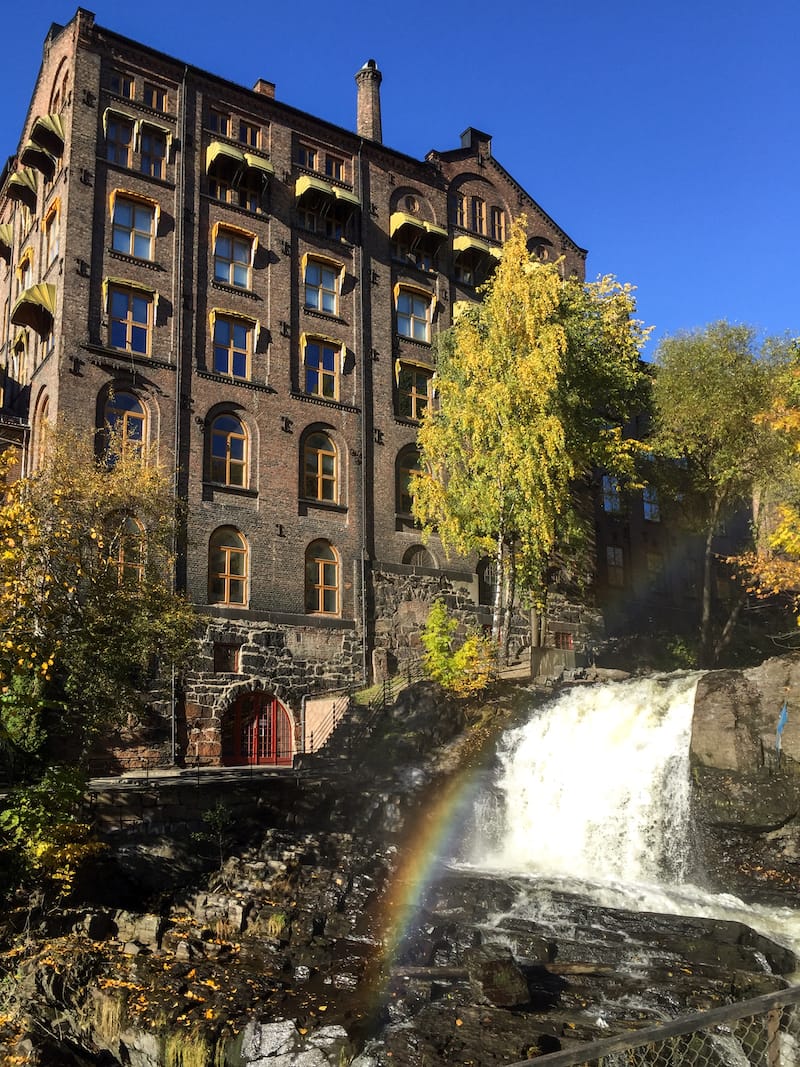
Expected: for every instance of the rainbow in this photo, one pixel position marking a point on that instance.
(431, 840)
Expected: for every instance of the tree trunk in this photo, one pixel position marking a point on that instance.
(509, 602)
(497, 606)
(724, 638)
(705, 656)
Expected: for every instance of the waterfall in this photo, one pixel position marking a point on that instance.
(591, 797)
(595, 786)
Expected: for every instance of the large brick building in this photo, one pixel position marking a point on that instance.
(255, 292)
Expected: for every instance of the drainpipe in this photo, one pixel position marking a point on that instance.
(364, 442)
(177, 289)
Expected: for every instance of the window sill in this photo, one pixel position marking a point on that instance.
(308, 398)
(260, 213)
(239, 290)
(242, 383)
(326, 316)
(138, 261)
(228, 490)
(121, 169)
(425, 345)
(341, 244)
(120, 359)
(307, 504)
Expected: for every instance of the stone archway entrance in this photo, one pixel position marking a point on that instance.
(257, 729)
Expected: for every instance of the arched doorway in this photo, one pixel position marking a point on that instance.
(257, 730)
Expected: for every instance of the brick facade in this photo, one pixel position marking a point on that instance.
(225, 260)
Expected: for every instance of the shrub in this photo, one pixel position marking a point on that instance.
(464, 669)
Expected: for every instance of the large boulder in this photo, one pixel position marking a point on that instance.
(746, 790)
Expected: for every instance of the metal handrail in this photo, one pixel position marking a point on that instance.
(593, 1052)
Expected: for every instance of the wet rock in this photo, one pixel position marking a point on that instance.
(140, 1049)
(262, 1040)
(497, 977)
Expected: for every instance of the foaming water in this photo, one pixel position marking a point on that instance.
(592, 798)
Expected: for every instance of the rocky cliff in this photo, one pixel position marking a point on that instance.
(746, 789)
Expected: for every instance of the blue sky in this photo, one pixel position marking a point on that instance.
(662, 137)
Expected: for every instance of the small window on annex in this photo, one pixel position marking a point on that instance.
(419, 556)
(322, 579)
(487, 581)
(227, 567)
(228, 451)
(320, 468)
(612, 501)
(615, 566)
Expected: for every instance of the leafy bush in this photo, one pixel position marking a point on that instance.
(462, 670)
(42, 839)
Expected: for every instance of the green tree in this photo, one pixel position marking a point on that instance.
(534, 385)
(88, 614)
(710, 387)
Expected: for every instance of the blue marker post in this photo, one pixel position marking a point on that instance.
(784, 715)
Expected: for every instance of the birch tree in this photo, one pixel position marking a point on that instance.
(533, 387)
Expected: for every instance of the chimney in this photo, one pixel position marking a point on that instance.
(265, 88)
(368, 113)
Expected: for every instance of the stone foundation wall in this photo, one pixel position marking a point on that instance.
(290, 662)
(401, 599)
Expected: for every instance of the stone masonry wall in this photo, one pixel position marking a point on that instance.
(288, 662)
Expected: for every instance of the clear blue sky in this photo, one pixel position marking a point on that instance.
(662, 137)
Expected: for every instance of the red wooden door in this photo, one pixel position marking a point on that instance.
(258, 731)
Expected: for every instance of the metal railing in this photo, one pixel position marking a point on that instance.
(764, 1032)
(114, 766)
(359, 720)
(327, 727)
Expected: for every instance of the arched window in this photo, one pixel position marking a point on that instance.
(227, 567)
(418, 556)
(41, 430)
(126, 419)
(322, 579)
(407, 465)
(320, 473)
(127, 548)
(228, 451)
(487, 581)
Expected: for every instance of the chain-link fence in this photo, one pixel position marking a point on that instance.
(764, 1032)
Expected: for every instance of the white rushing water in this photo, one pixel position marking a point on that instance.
(592, 797)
